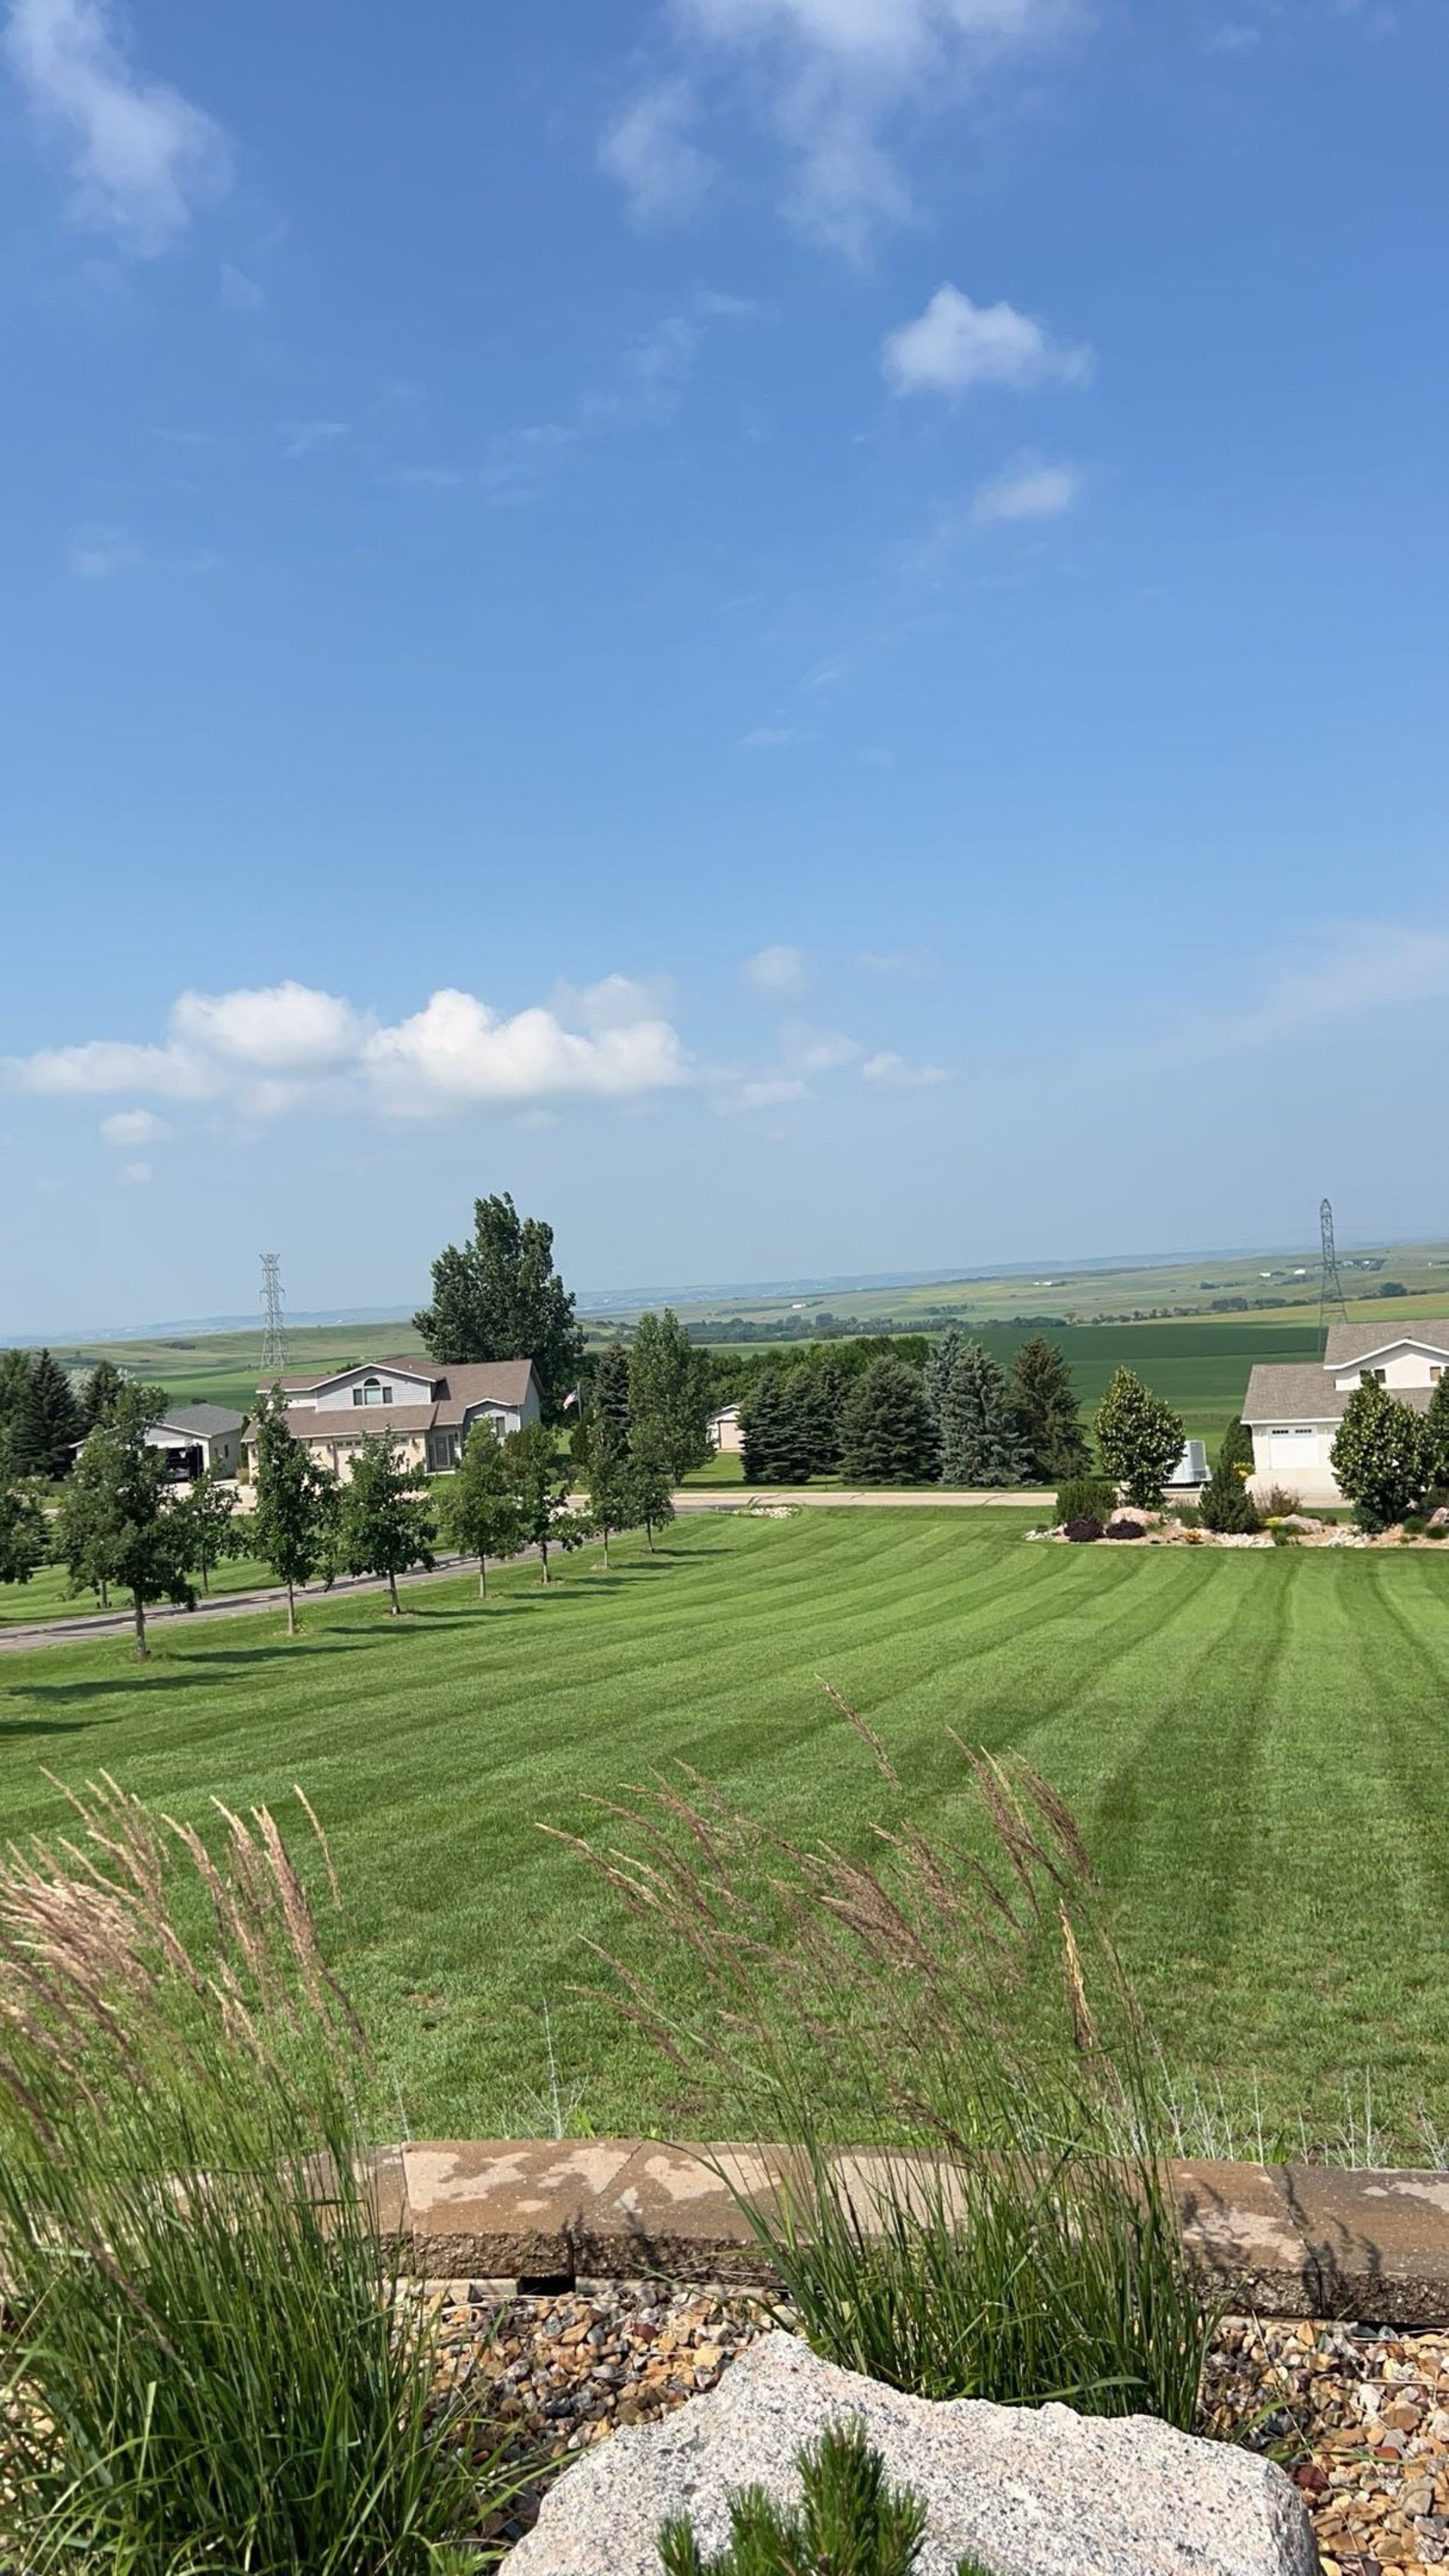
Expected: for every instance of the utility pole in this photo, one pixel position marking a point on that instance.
(1330, 1286)
(274, 1319)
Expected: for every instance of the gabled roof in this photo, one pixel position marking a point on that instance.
(1302, 1392)
(204, 1421)
(422, 1370)
(1349, 1343)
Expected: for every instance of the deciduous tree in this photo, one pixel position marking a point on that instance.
(500, 1298)
(477, 1505)
(294, 1525)
(23, 1531)
(670, 1390)
(1139, 1438)
(1436, 1440)
(1048, 1414)
(612, 1485)
(541, 1490)
(120, 1522)
(102, 1393)
(651, 1486)
(1380, 1455)
(385, 1522)
(217, 1530)
(887, 1437)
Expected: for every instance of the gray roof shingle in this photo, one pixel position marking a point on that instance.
(1350, 1342)
(205, 1421)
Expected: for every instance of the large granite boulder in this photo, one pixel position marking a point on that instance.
(1026, 2491)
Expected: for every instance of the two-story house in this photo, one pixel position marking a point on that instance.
(431, 1410)
(1294, 1412)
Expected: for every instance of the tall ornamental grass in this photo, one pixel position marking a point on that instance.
(203, 2369)
(955, 1998)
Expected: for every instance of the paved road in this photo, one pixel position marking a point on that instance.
(723, 1498)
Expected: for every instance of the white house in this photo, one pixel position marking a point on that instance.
(199, 1437)
(431, 1410)
(1294, 1411)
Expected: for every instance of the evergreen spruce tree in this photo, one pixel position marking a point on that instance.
(1139, 1438)
(1048, 1417)
(671, 1389)
(611, 1387)
(120, 1521)
(385, 1521)
(1225, 1504)
(500, 1298)
(294, 1525)
(772, 1452)
(102, 1393)
(14, 1375)
(477, 1506)
(942, 1360)
(978, 1439)
(887, 1437)
(48, 1424)
(815, 1400)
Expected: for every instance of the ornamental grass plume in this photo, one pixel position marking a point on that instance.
(960, 2001)
(203, 2367)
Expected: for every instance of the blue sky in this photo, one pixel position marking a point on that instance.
(809, 631)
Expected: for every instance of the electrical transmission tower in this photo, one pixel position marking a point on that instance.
(1330, 1286)
(274, 1319)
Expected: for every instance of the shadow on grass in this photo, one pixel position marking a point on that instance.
(35, 1727)
(64, 1694)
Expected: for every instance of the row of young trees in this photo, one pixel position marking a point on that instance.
(962, 1419)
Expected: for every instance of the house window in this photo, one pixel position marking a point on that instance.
(1373, 1377)
(372, 1391)
(1435, 1372)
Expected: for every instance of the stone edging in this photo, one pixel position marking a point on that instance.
(1288, 2240)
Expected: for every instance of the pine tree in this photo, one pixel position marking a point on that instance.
(48, 1425)
(942, 1361)
(385, 1521)
(1048, 1419)
(815, 1399)
(294, 1525)
(477, 1506)
(1139, 1438)
(886, 1432)
(1225, 1503)
(542, 1495)
(119, 1521)
(500, 1298)
(214, 1525)
(1380, 1455)
(772, 1452)
(14, 1376)
(611, 1387)
(670, 1389)
(979, 1442)
(102, 1393)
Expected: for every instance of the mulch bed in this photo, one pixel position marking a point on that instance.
(1358, 2417)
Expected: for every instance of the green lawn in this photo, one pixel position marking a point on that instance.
(1255, 1745)
(47, 1594)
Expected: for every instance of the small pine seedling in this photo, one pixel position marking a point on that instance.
(850, 2522)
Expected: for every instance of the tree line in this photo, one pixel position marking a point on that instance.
(956, 1417)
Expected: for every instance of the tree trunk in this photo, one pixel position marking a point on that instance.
(394, 1605)
(605, 1536)
(543, 1552)
(291, 1612)
(649, 1534)
(138, 1612)
(482, 1578)
(205, 1586)
(105, 1592)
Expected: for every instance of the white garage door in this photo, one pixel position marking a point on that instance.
(1292, 1449)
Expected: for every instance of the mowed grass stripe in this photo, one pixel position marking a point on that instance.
(1254, 1744)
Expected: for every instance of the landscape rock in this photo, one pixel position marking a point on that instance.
(1026, 2491)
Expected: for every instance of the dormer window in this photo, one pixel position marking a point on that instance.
(372, 1391)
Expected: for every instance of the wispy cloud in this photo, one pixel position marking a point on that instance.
(239, 293)
(839, 70)
(896, 1072)
(772, 737)
(142, 159)
(957, 346)
(99, 553)
(776, 970)
(266, 1051)
(131, 1127)
(647, 150)
(1026, 488)
(304, 437)
(1339, 974)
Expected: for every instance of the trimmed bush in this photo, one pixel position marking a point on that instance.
(1085, 1526)
(1087, 1498)
(1124, 1529)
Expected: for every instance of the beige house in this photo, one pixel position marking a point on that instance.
(430, 1410)
(725, 1430)
(1294, 1412)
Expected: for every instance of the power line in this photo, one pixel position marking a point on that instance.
(1330, 1286)
(274, 1319)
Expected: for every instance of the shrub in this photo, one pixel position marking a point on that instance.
(849, 2520)
(1139, 1438)
(1083, 1527)
(1380, 1456)
(1279, 1502)
(204, 2364)
(1124, 1529)
(1022, 2241)
(1187, 1516)
(1086, 1498)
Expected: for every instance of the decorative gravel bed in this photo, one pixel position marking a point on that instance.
(1358, 2417)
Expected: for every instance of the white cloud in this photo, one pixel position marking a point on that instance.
(268, 1052)
(771, 1091)
(842, 68)
(772, 737)
(1348, 971)
(775, 970)
(142, 158)
(894, 1070)
(1027, 488)
(663, 175)
(305, 437)
(139, 1172)
(616, 1001)
(98, 554)
(134, 1127)
(957, 345)
(817, 1050)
